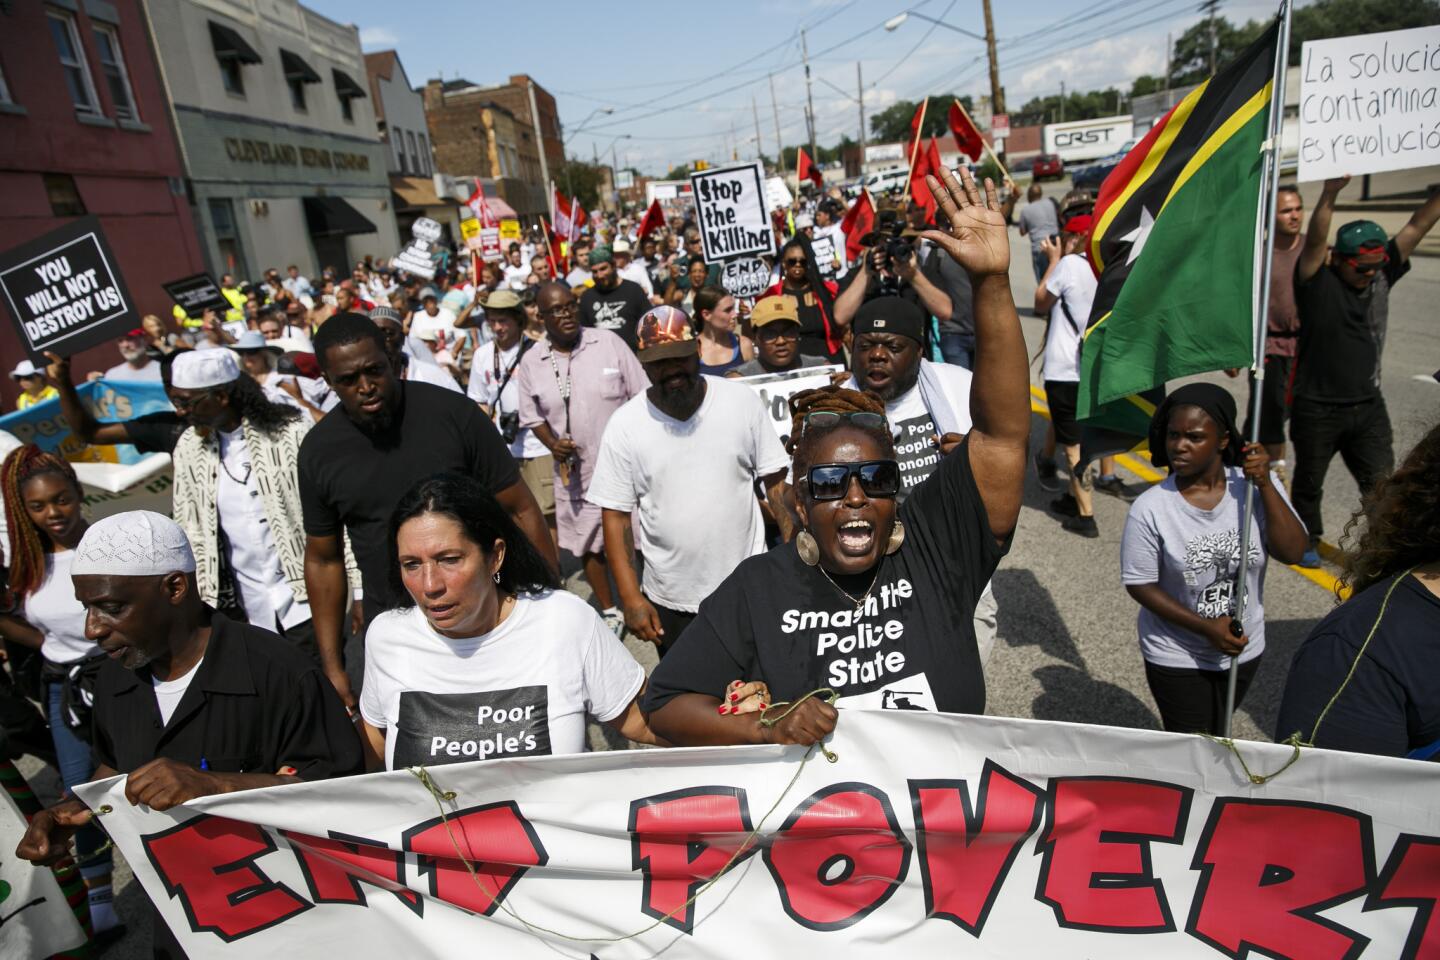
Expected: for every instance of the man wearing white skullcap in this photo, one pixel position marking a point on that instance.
(190, 703)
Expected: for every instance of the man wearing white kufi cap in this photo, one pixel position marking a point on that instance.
(190, 703)
(237, 495)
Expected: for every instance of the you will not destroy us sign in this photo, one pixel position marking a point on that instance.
(64, 291)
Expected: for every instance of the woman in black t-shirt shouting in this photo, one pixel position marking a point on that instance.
(872, 600)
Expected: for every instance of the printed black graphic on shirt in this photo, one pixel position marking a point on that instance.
(915, 451)
(864, 649)
(1214, 559)
(439, 728)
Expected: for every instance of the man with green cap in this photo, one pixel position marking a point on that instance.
(1343, 298)
(613, 303)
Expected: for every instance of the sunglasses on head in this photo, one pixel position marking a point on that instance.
(829, 418)
(831, 481)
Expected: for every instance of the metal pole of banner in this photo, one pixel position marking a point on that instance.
(1265, 246)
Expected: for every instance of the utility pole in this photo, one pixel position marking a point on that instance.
(1062, 101)
(860, 99)
(1169, 45)
(809, 103)
(734, 147)
(997, 93)
(540, 138)
(759, 145)
(1209, 7)
(779, 144)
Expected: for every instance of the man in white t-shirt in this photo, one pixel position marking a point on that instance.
(1065, 293)
(628, 269)
(927, 404)
(517, 269)
(683, 458)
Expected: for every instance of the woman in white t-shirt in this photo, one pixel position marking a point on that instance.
(44, 521)
(490, 658)
(1180, 557)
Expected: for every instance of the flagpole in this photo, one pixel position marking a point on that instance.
(1269, 183)
(1003, 172)
(915, 147)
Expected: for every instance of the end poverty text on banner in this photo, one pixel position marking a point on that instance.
(1370, 103)
(730, 208)
(64, 290)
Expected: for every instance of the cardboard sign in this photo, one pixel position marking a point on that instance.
(776, 389)
(470, 229)
(777, 194)
(196, 294)
(1369, 103)
(416, 257)
(746, 277)
(488, 243)
(64, 291)
(730, 207)
(509, 230)
(824, 247)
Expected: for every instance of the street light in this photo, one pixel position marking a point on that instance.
(894, 23)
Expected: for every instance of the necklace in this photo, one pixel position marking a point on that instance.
(865, 597)
(242, 481)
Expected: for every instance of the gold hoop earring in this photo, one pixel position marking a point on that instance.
(808, 549)
(897, 537)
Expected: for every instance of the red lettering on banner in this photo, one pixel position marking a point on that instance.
(1268, 867)
(965, 854)
(335, 867)
(681, 839)
(495, 839)
(1096, 872)
(838, 856)
(1411, 878)
(207, 863)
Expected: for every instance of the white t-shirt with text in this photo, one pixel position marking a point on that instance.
(913, 426)
(1073, 284)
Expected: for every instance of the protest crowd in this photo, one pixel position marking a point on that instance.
(380, 479)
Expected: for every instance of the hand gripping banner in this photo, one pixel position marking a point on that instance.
(932, 835)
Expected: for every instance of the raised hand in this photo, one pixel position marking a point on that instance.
(977, 239)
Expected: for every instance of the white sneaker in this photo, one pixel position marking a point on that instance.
(614, 619)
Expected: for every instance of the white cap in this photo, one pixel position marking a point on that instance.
(134, 544)
(24, 369)
(196, 370)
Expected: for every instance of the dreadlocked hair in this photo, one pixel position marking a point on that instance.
(27, 541)
(1401, 518)
(804, 439)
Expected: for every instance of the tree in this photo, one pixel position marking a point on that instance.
(1190, 59)
(678, 173)
(1324, 19)
(1079, 105)
(581, 179)
(1144, 85)
(893, 123)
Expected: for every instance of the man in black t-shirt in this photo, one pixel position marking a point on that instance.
(1343, 300)
(613, 304)
(358, 461)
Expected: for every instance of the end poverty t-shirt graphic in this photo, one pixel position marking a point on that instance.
(442, 728)
(1211, 563)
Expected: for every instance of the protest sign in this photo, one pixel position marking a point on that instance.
(824, 247)
(1369, 103)
(108, 400)
(417, 258)
(35, 920)
(196, 294)
(730, 210)
(488, 243)
(935, 835)
(747, 277)
(777, 194)
(470, 229)
(64, 291)
(776, 389)
(510, 230)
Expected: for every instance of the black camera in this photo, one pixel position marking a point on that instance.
(891, 251)
(510, 425)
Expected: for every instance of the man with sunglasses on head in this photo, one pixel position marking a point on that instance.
(1343, 298)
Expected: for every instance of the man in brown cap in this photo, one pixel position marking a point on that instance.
(776, 322)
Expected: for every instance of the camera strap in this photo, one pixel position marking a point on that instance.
(524, 345)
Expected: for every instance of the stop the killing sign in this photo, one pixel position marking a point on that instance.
(64, 291)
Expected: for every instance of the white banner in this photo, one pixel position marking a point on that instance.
(731, 214)
(934, 835)
(35, 920)
(1370, 103)
(776, 389)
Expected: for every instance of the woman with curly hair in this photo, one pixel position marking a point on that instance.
(1367, 679)
(43, 514)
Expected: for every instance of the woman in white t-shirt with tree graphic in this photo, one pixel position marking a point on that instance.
(490, 658)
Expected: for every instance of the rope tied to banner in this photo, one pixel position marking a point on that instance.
(1259, 778)
(441, 797)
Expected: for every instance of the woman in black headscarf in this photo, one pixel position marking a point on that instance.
(1180, 556)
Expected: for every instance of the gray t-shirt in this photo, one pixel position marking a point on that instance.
(1194, 555)
(1040, 221)
(752, 368)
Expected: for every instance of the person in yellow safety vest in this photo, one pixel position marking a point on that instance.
(33, 386)
(230, 290)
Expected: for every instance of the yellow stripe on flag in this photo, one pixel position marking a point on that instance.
(1227, 130)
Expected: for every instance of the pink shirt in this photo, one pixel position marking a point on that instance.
(603, 374)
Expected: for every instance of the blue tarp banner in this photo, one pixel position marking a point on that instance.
(109, 400)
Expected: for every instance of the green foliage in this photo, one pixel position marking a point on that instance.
(584, 180)
(1190, 59)
(678, 173)
(893, 123)
(1086, 105)
(989, 168)
(1144, 85)
(1340, 18)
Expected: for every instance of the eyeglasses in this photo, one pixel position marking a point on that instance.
(1369, 267)
(829, 418)
(564, 310)
(768, 334)
(831, 481)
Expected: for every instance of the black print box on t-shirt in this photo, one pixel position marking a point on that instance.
(439, 728)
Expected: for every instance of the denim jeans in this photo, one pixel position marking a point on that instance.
(76, 767)
(959, 349)
(1040, 262)
(1359, 432)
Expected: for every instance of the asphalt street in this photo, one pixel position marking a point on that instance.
(1067, 646)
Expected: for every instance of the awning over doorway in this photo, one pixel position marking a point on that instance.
(333, 217)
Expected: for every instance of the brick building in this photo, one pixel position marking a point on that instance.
(474, 135)
(85, 129)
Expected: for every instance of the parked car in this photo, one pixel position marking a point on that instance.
(1090, 176)
(1048, 165)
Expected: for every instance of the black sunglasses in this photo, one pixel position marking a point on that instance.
(831, 481)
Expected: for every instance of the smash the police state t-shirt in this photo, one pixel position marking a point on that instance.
(521, 690)
(911, 645)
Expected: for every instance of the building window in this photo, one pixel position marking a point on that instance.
(346, 112)
(227, 237)
(347, 90)
(231, 77)
(233, 52)
(397, 143)
(64, 198)
(297, 93)
(72, 60)
(297, 74)
(112, 65)
(414, 153)
(425, 155)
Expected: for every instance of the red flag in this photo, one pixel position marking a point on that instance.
(481, 208)
(558, 266)
(967, 138)
(937, 170)
(806, 170)
(654, 219)
(918, 191)
(859, 220)
(569, 217)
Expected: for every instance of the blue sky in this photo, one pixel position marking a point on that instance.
(679, 76)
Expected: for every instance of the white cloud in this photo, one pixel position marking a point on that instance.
(378, 37)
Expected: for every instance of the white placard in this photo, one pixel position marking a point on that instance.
(777, 194)
(745, 277)
(776, 389)
(1370, 103)
(35, 920)
(730, 210)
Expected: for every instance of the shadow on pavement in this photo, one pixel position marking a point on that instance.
(1027, 616)
(1072, 695)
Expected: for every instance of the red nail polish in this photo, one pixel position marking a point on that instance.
(721, 710)
(764, 706)
(734, 696)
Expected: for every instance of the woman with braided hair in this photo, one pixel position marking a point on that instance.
(872, 600)
(43, 515)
